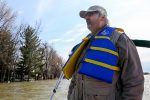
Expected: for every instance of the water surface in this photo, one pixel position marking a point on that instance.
(42, 90)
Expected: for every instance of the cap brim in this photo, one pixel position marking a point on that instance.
(83, 13)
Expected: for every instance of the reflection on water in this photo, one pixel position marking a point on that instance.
(42, 90)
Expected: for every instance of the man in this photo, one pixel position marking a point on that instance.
(121, 80)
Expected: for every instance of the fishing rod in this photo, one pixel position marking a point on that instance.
(57, 84)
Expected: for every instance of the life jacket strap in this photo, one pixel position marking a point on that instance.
(102, 64)
(120, 30)
(102, 37)
(104, 50)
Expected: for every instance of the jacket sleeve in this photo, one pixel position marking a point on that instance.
(132, 78)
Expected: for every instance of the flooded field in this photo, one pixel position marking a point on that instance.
(42, 90)
(36, 90)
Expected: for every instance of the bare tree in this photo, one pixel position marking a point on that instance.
(53, 62)
(7, 17)
(7, 41)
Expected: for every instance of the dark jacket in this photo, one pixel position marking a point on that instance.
(128, 84)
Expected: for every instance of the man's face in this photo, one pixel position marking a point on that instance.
(92, 20)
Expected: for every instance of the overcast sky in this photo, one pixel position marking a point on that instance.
(63, 28)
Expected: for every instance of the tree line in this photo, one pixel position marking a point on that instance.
(22, 54)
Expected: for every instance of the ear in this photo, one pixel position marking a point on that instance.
(102, 18)
(102, 21)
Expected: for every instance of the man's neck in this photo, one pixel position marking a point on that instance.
(98, 30)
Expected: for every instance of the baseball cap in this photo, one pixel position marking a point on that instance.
(94, 8)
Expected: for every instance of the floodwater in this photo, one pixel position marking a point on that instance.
(35, 90)
(42, 90)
